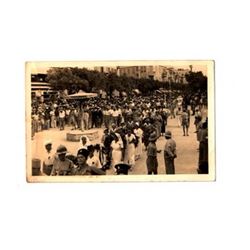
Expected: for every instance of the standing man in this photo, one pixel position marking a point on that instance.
(106, 141)
(67, 115)
(72, 118)
(62, 165)
(49, 158)
(169, 153)
(152, 163)
(47, 118)
(203, 149)
(52, 118)
(115, 115)
(185, 122)
(106, 117)
(61, 118)
(86, 118)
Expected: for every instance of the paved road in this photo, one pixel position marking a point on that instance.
(187, 154)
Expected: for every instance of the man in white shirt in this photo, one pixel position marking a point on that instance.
(115, 115)
(48, 159)
(61, 119)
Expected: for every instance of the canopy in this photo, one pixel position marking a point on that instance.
(163, 91)
(81, 95)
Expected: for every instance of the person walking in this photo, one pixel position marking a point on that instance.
(169, 153)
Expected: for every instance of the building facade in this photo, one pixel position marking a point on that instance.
(102, 69)
(158, 73)
(148, 72)
(39, 86)
(175, 75)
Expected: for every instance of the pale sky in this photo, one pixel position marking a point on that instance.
(43, 70)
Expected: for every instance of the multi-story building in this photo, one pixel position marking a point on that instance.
(149, 72)
(103, 69)
(157, 72)
(39, 86)
(175, 75)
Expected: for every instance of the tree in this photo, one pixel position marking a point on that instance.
(68, 78)
(196, 81)
(76, 78)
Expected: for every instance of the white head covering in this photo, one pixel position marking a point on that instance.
(47, 142)
(87, 142)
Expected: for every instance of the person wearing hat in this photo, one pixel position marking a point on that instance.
(82, 167)
(122, 168)
(48, 159)
(152, 163)
(169, 153)
(62, 165)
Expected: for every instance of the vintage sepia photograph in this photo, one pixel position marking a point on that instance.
(120, 121)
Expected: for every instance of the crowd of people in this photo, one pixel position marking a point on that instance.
(130, 124)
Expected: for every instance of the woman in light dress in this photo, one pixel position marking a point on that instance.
(130, 149)
(116, 147)
(138, 133)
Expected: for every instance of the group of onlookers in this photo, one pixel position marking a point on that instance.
(128, 123)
